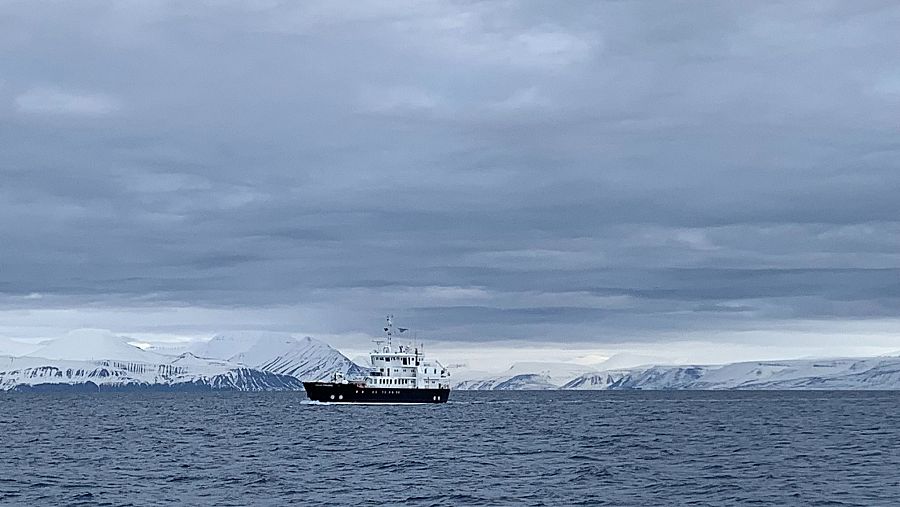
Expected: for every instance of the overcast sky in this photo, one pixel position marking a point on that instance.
(582, 176)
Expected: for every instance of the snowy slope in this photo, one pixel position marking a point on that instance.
(597, 380)
(93, 344)
(881, 372)
(524, 376)
(849, 373)
(227, 345)
(89, 358)
(15, 348)
(92, 359)
(845, 373)
(23, 373)
(557, 373)
(623, 361)
(302, 358)
(523, 382)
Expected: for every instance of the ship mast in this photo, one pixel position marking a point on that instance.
(390, 332)
(388, 337)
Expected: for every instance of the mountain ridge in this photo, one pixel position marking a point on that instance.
(881, 372)
(99, 359)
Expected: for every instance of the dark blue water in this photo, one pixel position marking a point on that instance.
(524, 448)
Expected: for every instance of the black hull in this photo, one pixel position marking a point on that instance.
(329, 392)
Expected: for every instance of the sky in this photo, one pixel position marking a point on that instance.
(691, 181)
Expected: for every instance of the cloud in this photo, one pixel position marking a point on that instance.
(521, 99)
(55, 101)
(398, 100)
(587, 173)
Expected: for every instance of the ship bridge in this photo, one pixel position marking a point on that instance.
(404, 366)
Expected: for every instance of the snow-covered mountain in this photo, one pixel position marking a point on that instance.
(597, 380)
(30, 373)
(847, 373)
(95, 359)
(523, 376)
(303, 358)
(523, 382)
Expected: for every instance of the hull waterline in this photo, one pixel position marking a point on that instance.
(331, 392)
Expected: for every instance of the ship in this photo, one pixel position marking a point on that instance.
(399, 374)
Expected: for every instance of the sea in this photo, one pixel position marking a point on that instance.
(482, 448)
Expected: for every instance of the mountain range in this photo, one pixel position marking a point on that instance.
(840, 373)
(99, 360)
(261, 361)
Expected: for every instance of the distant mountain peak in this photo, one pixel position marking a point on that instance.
(304, 357)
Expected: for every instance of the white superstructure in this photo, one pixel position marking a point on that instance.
(403, 366)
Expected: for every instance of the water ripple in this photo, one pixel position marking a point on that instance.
(536, 449)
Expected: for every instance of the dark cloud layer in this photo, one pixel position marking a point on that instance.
(585, 171)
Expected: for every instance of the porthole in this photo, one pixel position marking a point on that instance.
(332, 396)
(340, 396)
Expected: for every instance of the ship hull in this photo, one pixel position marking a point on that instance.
(331, 392)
